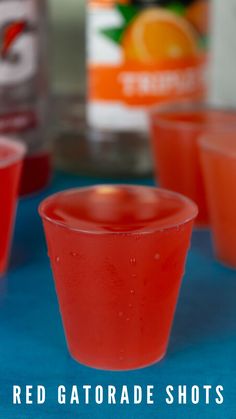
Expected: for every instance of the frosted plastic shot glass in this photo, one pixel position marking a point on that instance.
(218, 158)
(117, 255)
(175, 132)
(11, 159)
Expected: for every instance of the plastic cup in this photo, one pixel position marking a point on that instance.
(218, 157)
(11, 158)
(175, 132)
(118, 256)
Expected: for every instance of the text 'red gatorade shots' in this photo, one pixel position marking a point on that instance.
(175, 133)
(118, 255)
(141, 53)
(11, 158)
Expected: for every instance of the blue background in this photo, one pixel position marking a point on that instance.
(202, 348)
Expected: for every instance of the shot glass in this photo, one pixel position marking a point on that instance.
(175, 132)
(11, 158)
(118, 256)
(218, 158)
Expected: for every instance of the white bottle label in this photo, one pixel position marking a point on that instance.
(18, 41)
(139, 56)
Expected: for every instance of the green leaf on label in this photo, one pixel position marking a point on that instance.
(128, 12)
(114, 34)
(177, 7)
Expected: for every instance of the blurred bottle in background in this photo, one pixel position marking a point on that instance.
(139, 53)
(70, 149)
(24, 85)
(223, 47)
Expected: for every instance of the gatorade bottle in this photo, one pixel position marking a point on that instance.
(24, 85)
(139, 54)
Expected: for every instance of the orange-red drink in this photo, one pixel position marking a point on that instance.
(175, 131)
(218, 157)
(11, 156)
(118, 256)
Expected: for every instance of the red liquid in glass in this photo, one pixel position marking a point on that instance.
(118, 256)
(36, 173)
(10, 169)
(218, 156)
(175, 136)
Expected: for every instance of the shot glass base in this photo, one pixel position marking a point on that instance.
(201, 226)
(103, 367)
(226, 263)
(3, 270)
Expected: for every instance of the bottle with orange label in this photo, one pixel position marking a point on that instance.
(140, 53)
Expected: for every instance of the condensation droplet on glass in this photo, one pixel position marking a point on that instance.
(120, 314)
(127, 319)
(57, 259)
(132, 292)
(130, 305)
(133, 261)
(157, 256)
(134, 275)
(74, 254)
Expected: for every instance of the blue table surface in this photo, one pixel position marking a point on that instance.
(202, 348)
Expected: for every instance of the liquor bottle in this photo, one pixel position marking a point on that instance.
(139, 54)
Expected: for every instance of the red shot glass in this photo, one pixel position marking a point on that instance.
(11, 160)
(175, 133)
(118, 255)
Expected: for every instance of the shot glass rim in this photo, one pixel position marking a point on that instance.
(158, 113)
(17, 145)
(206, 142)
(191, 212)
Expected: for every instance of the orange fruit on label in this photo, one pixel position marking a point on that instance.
(157, 35)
